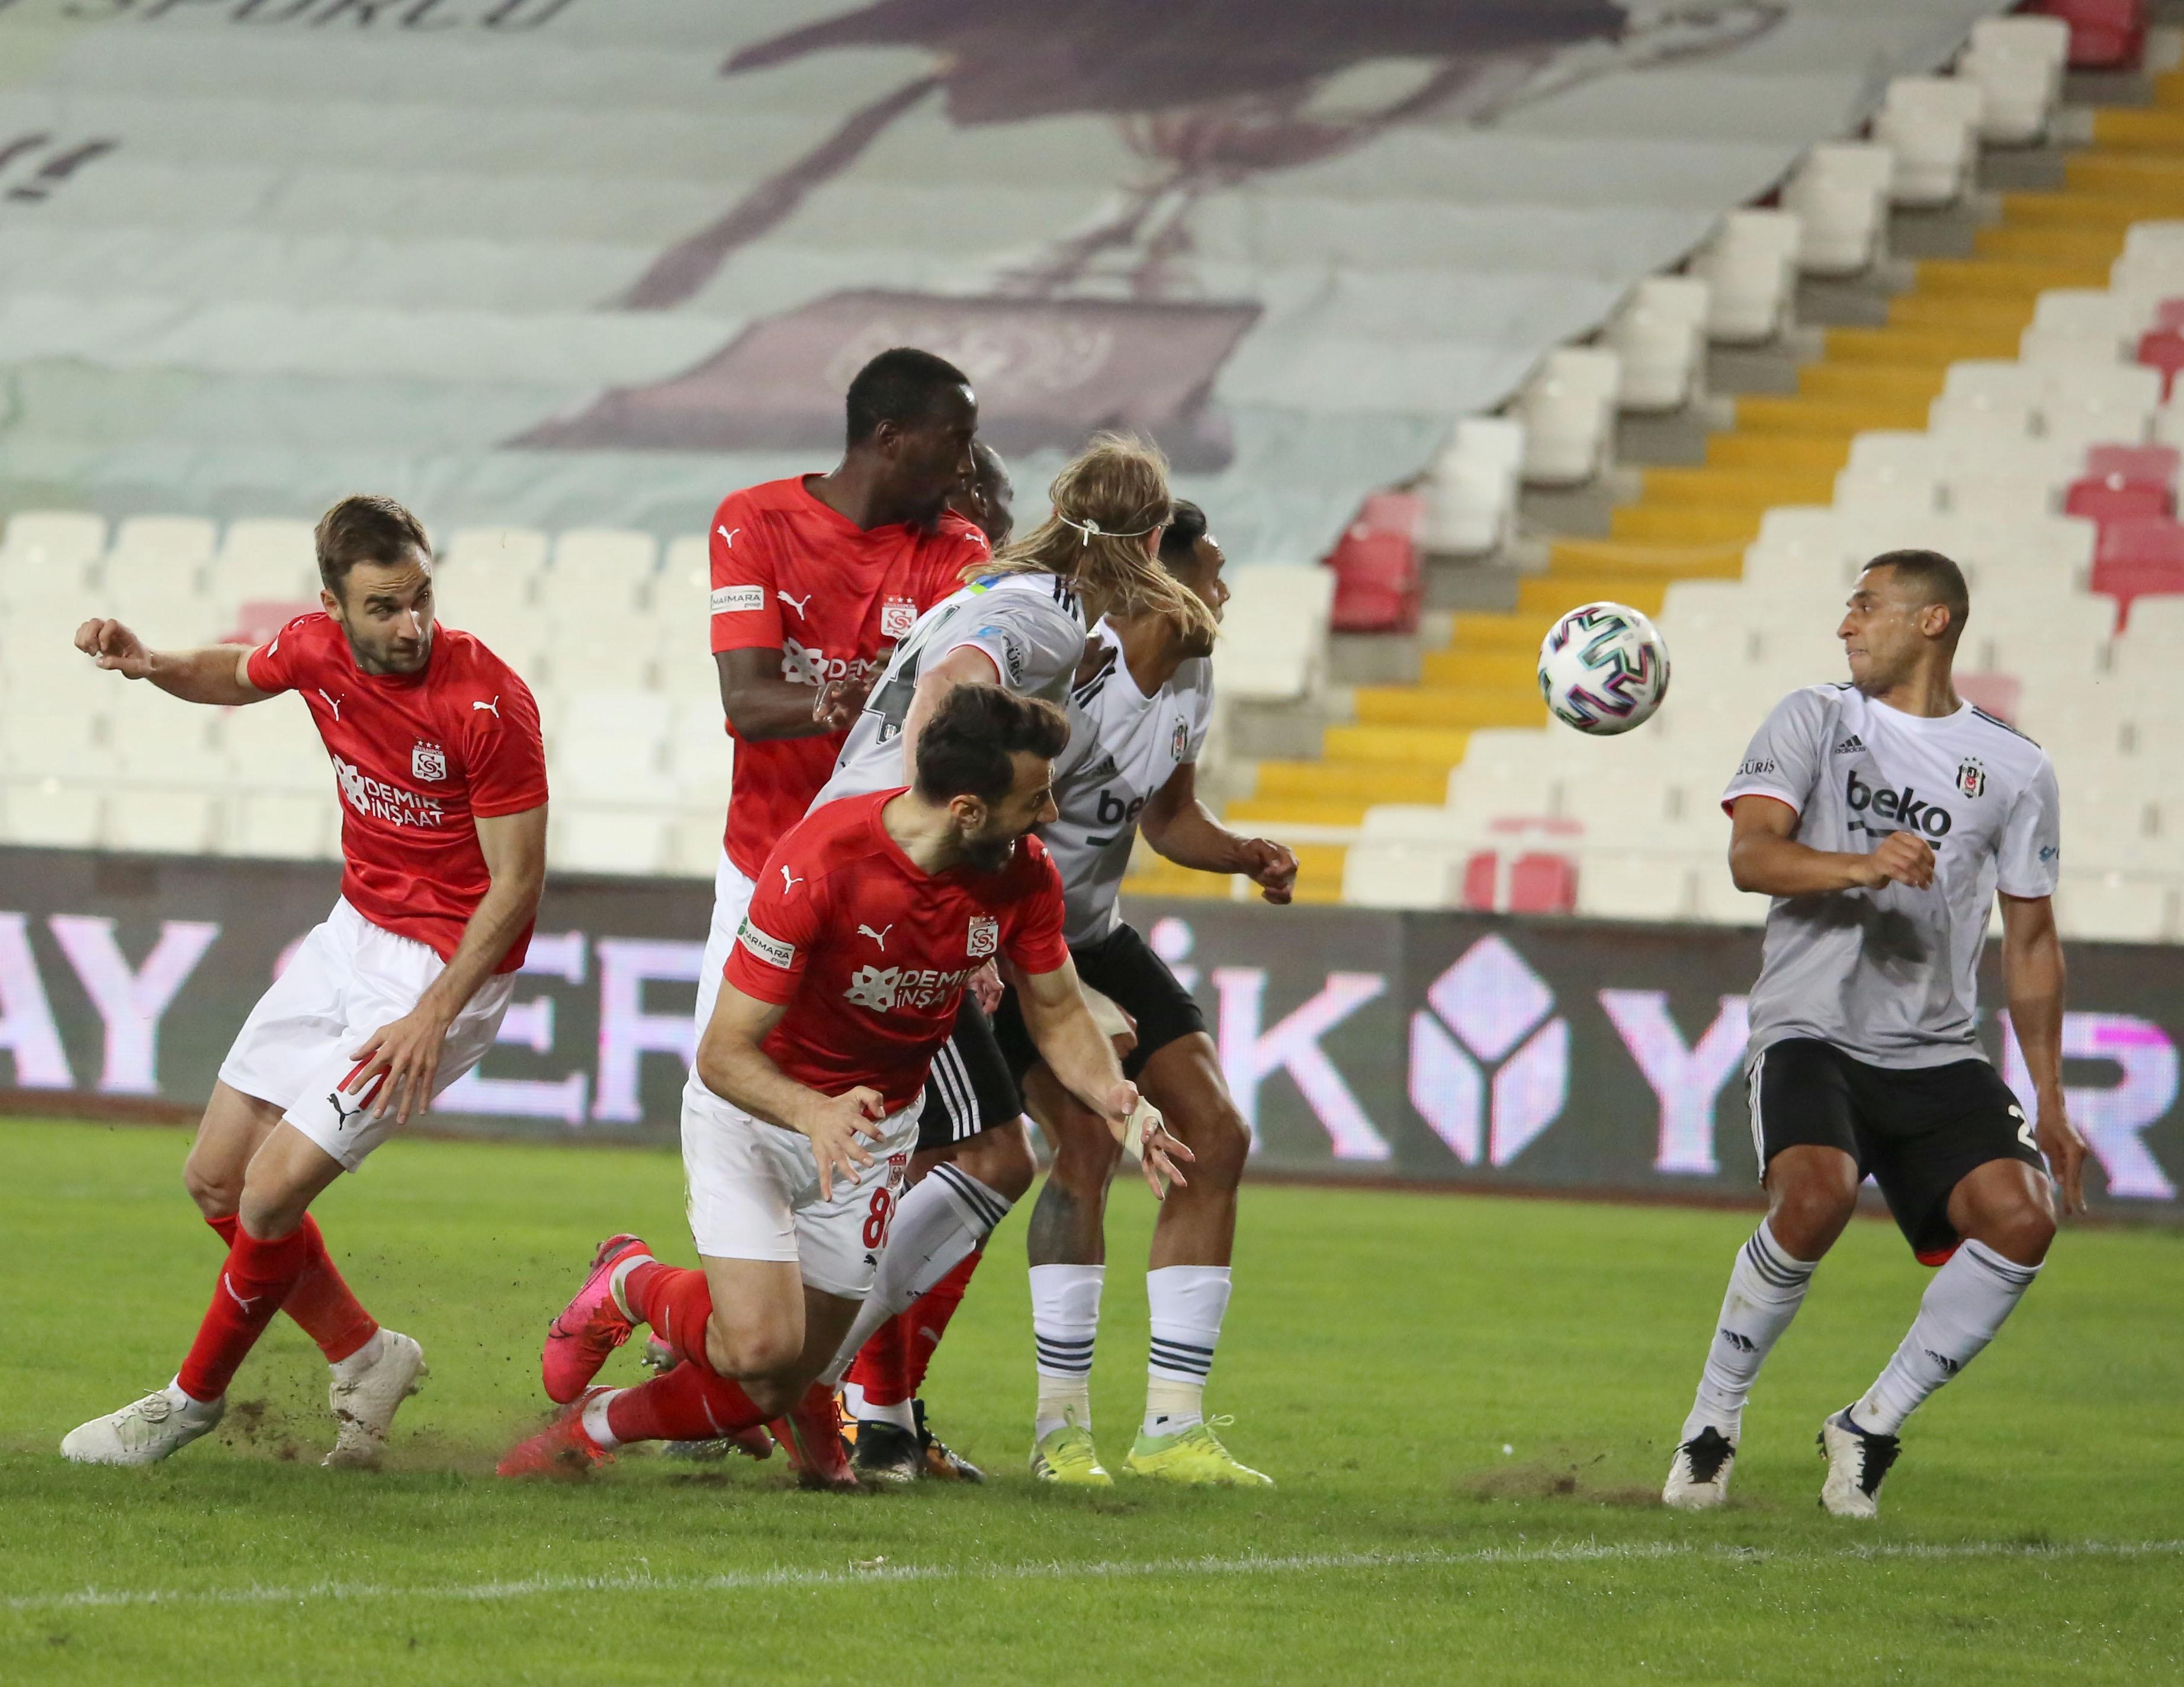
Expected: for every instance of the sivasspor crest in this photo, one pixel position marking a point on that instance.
(428, 761)
(985, 935)
(1971, 777)
(898, 615)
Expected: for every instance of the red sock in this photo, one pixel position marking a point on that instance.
(925, 1320)
(688, 1404)
(254, 1280)
(677, 1303)
(320, 1301)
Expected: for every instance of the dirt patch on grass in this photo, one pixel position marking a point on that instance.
(1553, 1482)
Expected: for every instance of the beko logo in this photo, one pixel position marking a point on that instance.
(1902, 807)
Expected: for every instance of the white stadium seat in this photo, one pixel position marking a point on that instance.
(160, 821)
(1624, 884)
(611, 839)
(1931, 123)
(1750, 270)
(1659, 338)
(1471, 493)
(1404, 875)
(1568, 412)
(2113, 907)
(508, 557)
(283, 824)
(1839, 194)
(49, 812)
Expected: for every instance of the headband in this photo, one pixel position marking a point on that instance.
(1088, 528)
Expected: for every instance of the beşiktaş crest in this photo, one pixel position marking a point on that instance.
(1971, 777)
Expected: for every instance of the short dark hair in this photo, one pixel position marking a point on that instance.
(366, 528)
(1186, 526)
(964, 748)
(1935, 575)
(901, 386)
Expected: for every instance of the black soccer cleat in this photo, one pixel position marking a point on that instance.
(941, 1459)
(887, 1452)
(1857, 1461)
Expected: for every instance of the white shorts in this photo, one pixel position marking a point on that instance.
(754, 1195)
(346, 980)
(732, 901)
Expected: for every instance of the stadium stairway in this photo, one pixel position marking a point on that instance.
(1871, 354)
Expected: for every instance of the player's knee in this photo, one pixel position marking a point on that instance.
(1085, 1158)
(1222, 1142)
(1001, 1159)
(2020, 1231)
(754, 1353)
(217, 1189)
(1808, 1215)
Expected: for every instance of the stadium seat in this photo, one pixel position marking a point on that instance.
(2113, 498)
(1659, 336)
(1839, 194)
(2105, 35)
(2137, 557)
(177, 542)
(1799, 544)
(1471, 493)
(2112, 908)
(638, 720)
(49, 814)
(2163, 350)
(159, 821)
(1624, 884)
(1568, 412)
(508, 558)
(281, 825)
(38, 737)
(1716, 901)
(693, 846)
(1750, 270)
(268, 560)
(273, 746)
(2134, 465)
(1930, 123)
(1404, 875)
(2095, 403)
(611, 840)
(45, 558)
(1378, 585)
(597, 573)
(1274, 632)
(2018, 64)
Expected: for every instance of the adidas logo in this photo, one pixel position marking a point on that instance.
(1949, 1367)
(1741, 1344)
(1851, 745)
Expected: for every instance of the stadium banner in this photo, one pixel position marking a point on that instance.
(1534, 1053)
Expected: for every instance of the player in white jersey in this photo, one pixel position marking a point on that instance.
(1883, 815)
(1020, 621)
(1139, 713)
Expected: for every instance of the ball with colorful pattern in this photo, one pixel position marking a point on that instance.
(1603, 668)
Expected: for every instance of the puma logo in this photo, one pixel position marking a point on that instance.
(492, 708)
(228, 1284)
(878, 937)
(787, 884)
(332, 703)
(800, 604)
(728, 536)
(344, 1115)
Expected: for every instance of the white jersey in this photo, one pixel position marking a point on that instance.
(1123, 747)
(1888, 975)
(1029, 626)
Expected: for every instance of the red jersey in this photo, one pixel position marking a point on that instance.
(793, 575)
(417, 758)
(870, 954)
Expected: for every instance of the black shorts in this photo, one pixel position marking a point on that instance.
(1919, 1130)
(1123, 968)
(970, 1089)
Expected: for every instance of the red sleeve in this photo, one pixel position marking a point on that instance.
(961, 546)
(503, 748)
(1034, 940)
(773, 945)
(272, 665)
(746, 615)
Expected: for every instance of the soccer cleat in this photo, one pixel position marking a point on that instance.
(143, 1432)
(887, 1452)
(563, 1447)
(589, 1327)
(1857, 1461)
(1193, 1455)
(810, 1434)
(1698, 1476)
(364, 1406)
(1066, 1456)
(941, 1459)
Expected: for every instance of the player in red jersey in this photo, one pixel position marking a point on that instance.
(869, 917)
(442, 780)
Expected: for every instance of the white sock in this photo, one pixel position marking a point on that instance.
(595, 1419)
(853, 1399)
(618, 1279)
(1187, 1303)
(348, 1369)
(940, 1223)
(1065, 1318)
(1766, 1286)
(193, 1409)
(899, 1415)
(1975, 1290)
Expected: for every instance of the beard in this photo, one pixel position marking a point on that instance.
(990, 855)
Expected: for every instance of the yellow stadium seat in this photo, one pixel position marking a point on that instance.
(2049, 244)
(1992, 276)
(1606, 561)
(1345, 782)
(1462, 665)
(1469, 706)
(2150, 129)
(1919, 346)
(1421, 746)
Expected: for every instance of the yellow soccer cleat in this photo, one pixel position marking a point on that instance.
(1193, 1455)
(1066, 1456)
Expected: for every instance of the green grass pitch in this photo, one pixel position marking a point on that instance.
(1468, 1405)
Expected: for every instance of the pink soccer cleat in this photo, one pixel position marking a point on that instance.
(590, 1326)
(562, 1448)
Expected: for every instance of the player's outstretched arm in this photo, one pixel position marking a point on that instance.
(1078, 1053)
(2033, 981)
(402, 1059)
(218, 674)
(761, 705)
(1183, 828)
(1765, 857)
(733, 1064)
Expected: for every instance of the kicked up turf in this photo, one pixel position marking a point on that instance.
(1467, 1404)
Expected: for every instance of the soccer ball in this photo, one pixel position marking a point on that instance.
(1603, 669)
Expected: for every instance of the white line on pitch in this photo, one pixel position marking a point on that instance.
(1052, 1570)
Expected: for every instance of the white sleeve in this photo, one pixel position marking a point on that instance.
(1032, 640)
(1201, 708)
(1784, 759)
(2028, 857)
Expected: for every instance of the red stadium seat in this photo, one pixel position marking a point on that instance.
(1999, 694)
(2133, 465)
(1378, 587)
(2105, 35)
(2169, 314)
(2138, 557)
(2164, 349)
(1542, 884)
(261, 618)
(2114, 500)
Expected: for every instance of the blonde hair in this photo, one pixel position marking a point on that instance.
(1110, 499)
